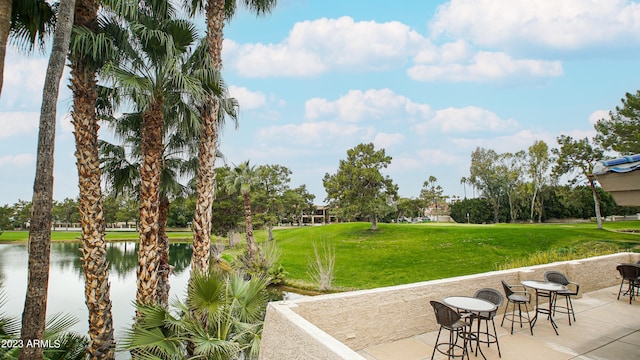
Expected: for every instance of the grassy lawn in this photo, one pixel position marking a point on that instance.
(405, 253)
(22, 236)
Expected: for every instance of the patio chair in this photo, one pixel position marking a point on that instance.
(495, 297)
(517, 298)
(573, 289)
(450, 320)
(631, 274)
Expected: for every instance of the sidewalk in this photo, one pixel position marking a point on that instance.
(606, 328)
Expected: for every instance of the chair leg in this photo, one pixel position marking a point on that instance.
(620, 290)
(495, 333)
(436, 345)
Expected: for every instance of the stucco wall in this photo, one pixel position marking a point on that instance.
(333, 326)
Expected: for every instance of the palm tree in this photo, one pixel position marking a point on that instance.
(152, 78)
(29, 22)
(35, 305)
(242, 179)
(221, 318)
(217, 12)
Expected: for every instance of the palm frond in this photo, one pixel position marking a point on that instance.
(59, 323)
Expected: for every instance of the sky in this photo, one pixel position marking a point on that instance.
(428, 81)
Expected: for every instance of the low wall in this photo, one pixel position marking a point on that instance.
(335, 326)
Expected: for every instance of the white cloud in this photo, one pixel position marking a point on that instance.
(373, 104)
(482, 66)
(467, 119)
(436, 157)
(385, 140)
(315, 47)
(247, 99)
(315, 134)
(15, 123)
(566, 24)
(20, 160)
(598, 115)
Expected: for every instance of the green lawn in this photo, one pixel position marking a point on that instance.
(22, 236)
(403, 253)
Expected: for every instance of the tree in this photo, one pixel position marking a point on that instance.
(487, 176)
(431, 194)
(152, 76)
(358, 188)
(274, 181)
(296, 202)
(511, 169)
(242, 179)
(66, 211)
(576, 159)
(35, 305)
(621, 132)
(217, 12)
(538, 166)
(408, 207)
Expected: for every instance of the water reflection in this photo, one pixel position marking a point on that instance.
(66, 279)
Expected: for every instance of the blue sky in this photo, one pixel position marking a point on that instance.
(428, 81)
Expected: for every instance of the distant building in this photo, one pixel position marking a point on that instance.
(320, 216)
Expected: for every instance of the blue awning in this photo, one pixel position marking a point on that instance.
(620, 165)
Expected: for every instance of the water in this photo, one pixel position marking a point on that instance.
(66, 281)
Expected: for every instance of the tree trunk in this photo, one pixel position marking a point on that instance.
(374, 223)
(205, 188)
(94, 246)
(35, 304)
(164, 269)
(533, 202)
(208, 145)
(251, 242)
(596, 203)
(148, 257)
(5, 27)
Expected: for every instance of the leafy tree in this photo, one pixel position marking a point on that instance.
(474, 211)
(621, 132)
(6, 214)
(488, 176)
(511, 170)
(21, 214)
(295, 203)
(576, 159)
(538, 166)
(274, 181)
(409, 207)
(35, 304)
(66, 211)
(227, 211)
(243, 179)
(358, 188)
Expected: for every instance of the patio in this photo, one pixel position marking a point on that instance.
(606, 328)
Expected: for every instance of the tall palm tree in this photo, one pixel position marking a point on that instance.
(29, 22)
(151, 77)
(242, 179)
(217, 12)
(35, 305)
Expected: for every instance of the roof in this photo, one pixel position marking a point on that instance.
(620, 165)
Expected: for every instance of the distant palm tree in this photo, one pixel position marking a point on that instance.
(217, 12)
(221, 318)
(241, 180)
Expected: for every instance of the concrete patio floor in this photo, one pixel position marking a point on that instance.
(606, 328)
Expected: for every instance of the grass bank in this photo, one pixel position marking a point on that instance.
(406, 253)
(61, 235)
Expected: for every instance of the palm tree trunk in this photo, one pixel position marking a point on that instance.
(148, 256)
(208, 145)
(251, 242)
(205, 189)
(164, 269)
(35, 305)
(94, 247)
(5, 27)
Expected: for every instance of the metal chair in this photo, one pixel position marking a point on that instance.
(450, 320)
(495, 297)
(517, 298)
(573, 289)
(631, 274)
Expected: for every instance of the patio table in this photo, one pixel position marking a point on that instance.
(474, 306)
(544, 289)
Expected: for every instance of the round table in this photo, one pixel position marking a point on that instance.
(472, 305)
(545, 289)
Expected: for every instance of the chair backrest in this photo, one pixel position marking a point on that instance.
(507, 288)
(492, 295)
(445, 316)
(629, 271)
(556, 277)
